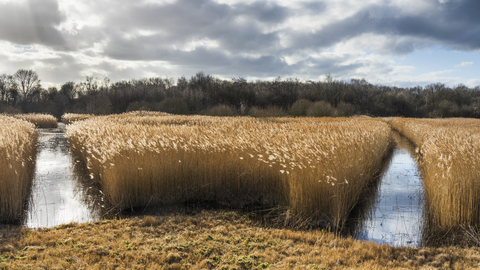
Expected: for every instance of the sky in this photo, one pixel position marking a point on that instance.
(401, 43)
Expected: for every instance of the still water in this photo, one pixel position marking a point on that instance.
(396, 216)
(63, 193)
(60, 191)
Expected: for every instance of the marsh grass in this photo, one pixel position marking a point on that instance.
(39, 120)
(17, 164)
(448, 152)
(315, 167)
(209, 240)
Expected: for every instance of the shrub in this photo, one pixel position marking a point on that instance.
(344, 109)
(300, 107)
(173, 105)
(139, 106)
(272, 111)
(221, 110)
(321, 109)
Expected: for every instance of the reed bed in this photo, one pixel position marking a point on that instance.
(448, 152)
(17, 165)
(315, 167)
(39, 120)
(69, 118)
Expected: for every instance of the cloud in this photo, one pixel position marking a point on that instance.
(32, 22)
(249, 38)
(464, 64)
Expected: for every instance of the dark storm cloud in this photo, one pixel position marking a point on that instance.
(334, 32)
(466, 11)
(264, 12)
(235, 28)
(191, 17)
(31, 22)
(455, 24)
(239, 29)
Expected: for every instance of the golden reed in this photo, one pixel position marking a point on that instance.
(448, 151)
(316, 167)
(69, 118)
(17, 164)
(39, 120)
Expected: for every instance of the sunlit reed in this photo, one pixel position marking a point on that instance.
(315, 167)
(69, 118)
(448, 153)
(39, 120)
(17, 163)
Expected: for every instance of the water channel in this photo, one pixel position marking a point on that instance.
(396, 216)
(63, 193)
(59, 188)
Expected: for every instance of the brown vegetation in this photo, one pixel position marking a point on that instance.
(17, 163)
(316, 167)
(448, 155)
(39, 120)
(69, 118)
(209, 240)
(271, 111)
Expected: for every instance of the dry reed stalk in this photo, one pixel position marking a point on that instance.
(317, 167)
(448, 155)
(17, 163)
(69, 118)
(39, 120)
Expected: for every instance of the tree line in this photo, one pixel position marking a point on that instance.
(205, 94)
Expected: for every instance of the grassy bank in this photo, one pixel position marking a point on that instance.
(17, 164)
(39, 120)
(207, 240)
(448, 156)
(316, 167)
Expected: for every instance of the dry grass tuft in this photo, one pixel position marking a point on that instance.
(39, 120)
(448, 151)
(316, 167)
(17, 164)
(150, 221)
(210, 240)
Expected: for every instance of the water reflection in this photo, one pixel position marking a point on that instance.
(397, 217)
(58, 196)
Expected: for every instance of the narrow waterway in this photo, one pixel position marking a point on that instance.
(396, 217)
(60, 193)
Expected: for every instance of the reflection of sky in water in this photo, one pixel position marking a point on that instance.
(397, 216)
(55, 195)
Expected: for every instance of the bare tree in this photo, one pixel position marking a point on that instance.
(3, 86)
(8, 88)
(27, 81)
